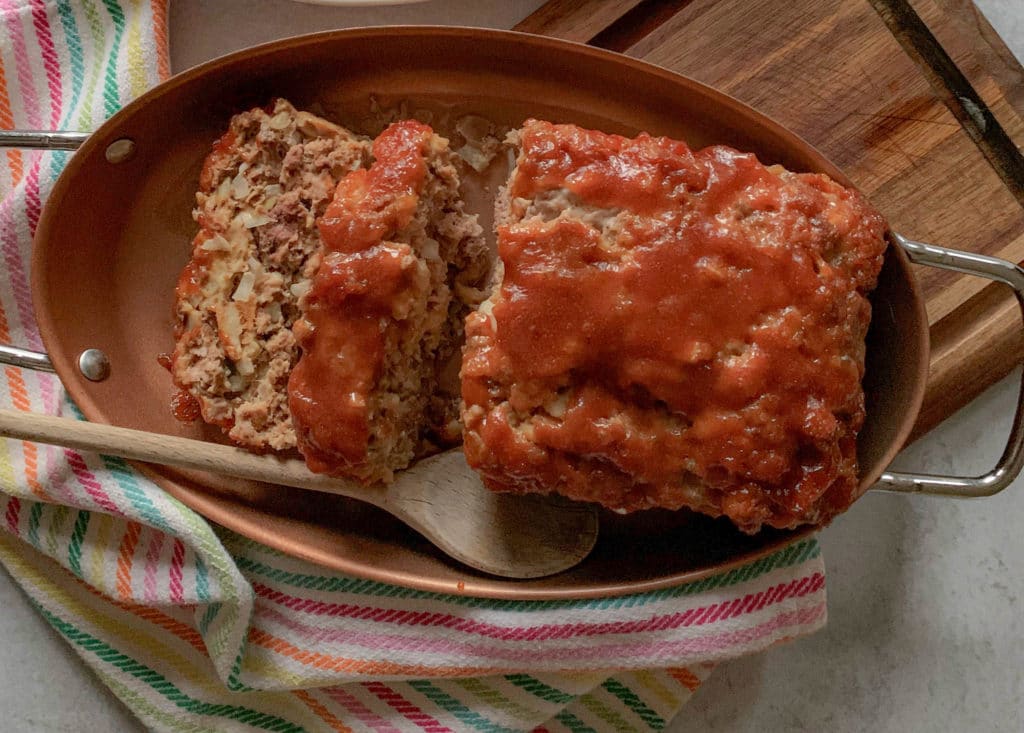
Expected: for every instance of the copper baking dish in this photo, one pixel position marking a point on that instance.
(116, 231)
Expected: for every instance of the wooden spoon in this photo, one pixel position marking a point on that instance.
(440, 497)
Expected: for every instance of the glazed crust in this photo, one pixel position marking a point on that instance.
(672, 328)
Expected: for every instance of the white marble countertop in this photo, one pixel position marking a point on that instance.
(926, 621)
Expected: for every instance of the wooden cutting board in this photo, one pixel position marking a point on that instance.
(920, 103)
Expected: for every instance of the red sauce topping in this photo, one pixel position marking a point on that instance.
(166, 360)
(222, 149)
(185, 407)
(360, 280)
(717, 334)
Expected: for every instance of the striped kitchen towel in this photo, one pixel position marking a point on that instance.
(198, 629)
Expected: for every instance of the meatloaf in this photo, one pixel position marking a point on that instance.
(402, 265)
(260, 191)
(672, 328)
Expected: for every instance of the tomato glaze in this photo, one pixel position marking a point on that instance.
(361, 279)
(695, 318)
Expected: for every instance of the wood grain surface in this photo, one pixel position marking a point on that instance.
(576, 21)
(876, 99)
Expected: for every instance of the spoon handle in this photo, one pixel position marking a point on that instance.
(171, 450)
(441, 497)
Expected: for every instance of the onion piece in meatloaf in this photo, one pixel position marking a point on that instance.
(672, 328)
(401, 268)
(260, 192)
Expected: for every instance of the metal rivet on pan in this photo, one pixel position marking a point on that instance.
(94, 365)
(120, 150)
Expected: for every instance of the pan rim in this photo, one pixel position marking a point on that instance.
(473, 586)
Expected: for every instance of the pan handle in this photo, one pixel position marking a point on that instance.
(36, 360)
(92, 363)
(35, 140)
(42, 139)
(1009, 465)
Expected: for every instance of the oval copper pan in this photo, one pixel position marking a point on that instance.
(113, 238)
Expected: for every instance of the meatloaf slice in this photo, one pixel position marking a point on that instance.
(402, 265)
(260, 192)
(672, 329)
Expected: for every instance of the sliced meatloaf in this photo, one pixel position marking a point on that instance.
(672, 328)
(402, 265)
(261, 190)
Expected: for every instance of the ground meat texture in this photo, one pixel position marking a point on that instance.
(672, 328)
(402, 265)
(261, 190)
